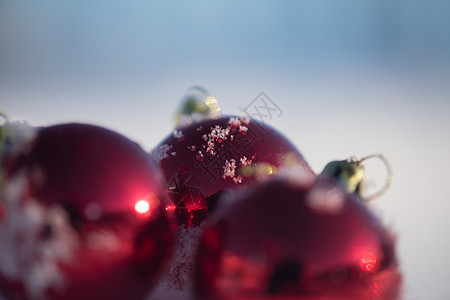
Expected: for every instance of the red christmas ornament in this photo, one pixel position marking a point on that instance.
(85, 219)
(296, 240)
(206, 158)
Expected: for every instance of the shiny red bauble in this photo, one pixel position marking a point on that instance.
(305, 239)
(206, 158)
(85, 218)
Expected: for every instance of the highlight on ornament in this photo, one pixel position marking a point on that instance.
(142, 207)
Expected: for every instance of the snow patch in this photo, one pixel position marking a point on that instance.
(180, 271)
(243, 129)
(219, 134)
(160, 152)
(237, 179)
(178, 134)
(234, 122)
(245, 161)
(22, 134)
(35, 240)
(200, 156)
(186, 120)
(216, 135)
(229, 168)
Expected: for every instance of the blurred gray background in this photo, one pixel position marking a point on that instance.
(351, 77)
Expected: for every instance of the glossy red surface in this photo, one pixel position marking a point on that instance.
(285, 241)
(214, 155)
(110, 198)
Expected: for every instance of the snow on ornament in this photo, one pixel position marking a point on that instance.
(216, 155)
(84, 217)
(212, 155)
(296, 239)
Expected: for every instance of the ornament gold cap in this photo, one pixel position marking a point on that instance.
(350, 174)
(197, 104)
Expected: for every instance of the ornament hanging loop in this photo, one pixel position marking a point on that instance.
(350, 174)
(389, 177)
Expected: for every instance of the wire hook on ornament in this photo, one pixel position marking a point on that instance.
(351, 175)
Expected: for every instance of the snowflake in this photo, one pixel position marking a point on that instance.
(234, 122)
(238, 179)
(178, 134)
(219, 134)
(24, 255)
(179, 272)
(210, 149)
(200, 156)
(186, 120)
(229, 168)
(245, 119)
(245, 161)
(243, 129)
(160, 152)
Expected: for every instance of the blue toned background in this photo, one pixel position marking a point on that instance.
(351, 77)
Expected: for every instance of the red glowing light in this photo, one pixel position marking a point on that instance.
(368, 262)
(375, 289)
(142, 207)
(170, 207)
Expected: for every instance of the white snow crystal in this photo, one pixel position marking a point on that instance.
(245, 119)
(178, 134)
(200, 156)
(243, 129)
(229, 168)
(237, 179)
(25, 255)
(22, 134)
(211, 147)
(179, 273)
(187, 120)
(160, 152)
(234, 122)
(245, 161)
(219, 134)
